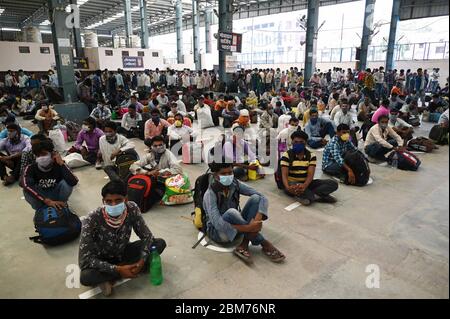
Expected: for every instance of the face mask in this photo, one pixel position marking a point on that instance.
(383, 126)
(45, 108)
(344, 111)
(111, 137)
(159, 149)
(293, 127)
(85, 127)
(155, 119)
(115, 211)
(100, 106)
(393, 117)
(345, 137)
(12, 135)
(44, 162)
(298, 148)
(314, 121)
(178, 123)
(226, 180)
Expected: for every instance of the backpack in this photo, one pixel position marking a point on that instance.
(200, 218)
(360, 166)
(365, 128)
(139, 190)
(439, 135)
(406, 160)
(124, 162)
(55, 227)
(278, 175)
(421, 144)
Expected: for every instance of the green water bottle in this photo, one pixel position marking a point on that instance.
(156, 276)
(113, 115)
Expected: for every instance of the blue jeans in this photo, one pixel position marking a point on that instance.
(234, 217)
(61, 193)
(379, 90)
(334, 169)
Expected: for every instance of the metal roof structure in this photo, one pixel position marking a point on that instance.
(106, 17)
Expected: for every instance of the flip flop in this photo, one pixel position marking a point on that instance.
(244, 255)
(275, 255)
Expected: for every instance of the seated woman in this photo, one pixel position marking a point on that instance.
(230, 114)
(252, 100)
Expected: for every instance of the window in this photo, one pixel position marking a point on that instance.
(440, 50)
(125, 53)
(141, 53)
(45, 50)
(24, 49)
(155, 54)
(109, 52)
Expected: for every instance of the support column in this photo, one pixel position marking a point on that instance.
(367, 30)
(128, 23)
(395, 17)
(179, 24)
(143, 15)
(76, 33)
(63, 50)
(311, 39)
(208, 22)
(196, 39)
(225, 25)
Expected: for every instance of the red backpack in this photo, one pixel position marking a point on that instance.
(139, 187)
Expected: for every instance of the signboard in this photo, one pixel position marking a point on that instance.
(64, 43)
(65, 59)
(80, 63)
(132, 62)
(231, 64)
(229, 42)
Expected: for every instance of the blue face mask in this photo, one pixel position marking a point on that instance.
(314, 121)
(115, 211)
(298, 148)
(226, 180)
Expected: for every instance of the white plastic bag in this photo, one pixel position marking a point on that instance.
(57, 137)
(75, 160)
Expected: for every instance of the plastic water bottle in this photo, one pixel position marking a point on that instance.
(395, 160)
(156, 276)
(69, 98)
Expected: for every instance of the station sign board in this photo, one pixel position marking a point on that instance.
(80, 63)
(229, 42)
(133, 62)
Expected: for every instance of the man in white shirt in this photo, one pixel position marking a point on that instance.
(345, 117)
(204, 114)
(200, 82)
(130, 123)
(23, 81)
(186, 81)
(163, 100)
(382, 139)
(111, 146)
(379, 78)
(180, 104)
(268, 80)
(179, 132)
(208, 80)
(400, 126)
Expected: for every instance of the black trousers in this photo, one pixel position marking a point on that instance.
(15, 168)
(131, 255)
(319, 187)
(132, 133)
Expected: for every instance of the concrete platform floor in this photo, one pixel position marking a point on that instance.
(400, 223)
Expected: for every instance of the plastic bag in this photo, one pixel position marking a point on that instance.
(57, 137)
(178, 191)
(75, 160)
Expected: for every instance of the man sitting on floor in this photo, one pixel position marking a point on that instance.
(400, 126)
(130, 123)
(382, 139)
(111, 146)
(298, 166)
(90, 134)
(12, 120)
(14, 145)
(48, 181)
(106, 254)
(317, 129)
(226, 221)
(333, 156)
(159, 164)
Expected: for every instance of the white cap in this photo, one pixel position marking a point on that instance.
(244, 113)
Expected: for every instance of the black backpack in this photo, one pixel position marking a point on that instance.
(124, 162)
(278, 174)
(360, 166)
(55, 227)
(439, 135)
(139, 191)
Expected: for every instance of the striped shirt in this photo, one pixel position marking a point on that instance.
(298, 169)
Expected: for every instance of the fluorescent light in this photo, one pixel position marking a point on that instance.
(111, 18)
(46, 22)
(1, 11)
(11, 29)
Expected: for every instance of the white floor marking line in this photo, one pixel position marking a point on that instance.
(95, 291)
(205, 244)
(292, 206)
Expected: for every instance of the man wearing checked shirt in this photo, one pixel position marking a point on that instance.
(333, 155)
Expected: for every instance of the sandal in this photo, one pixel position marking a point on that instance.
(275, 255)
(244, 255)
